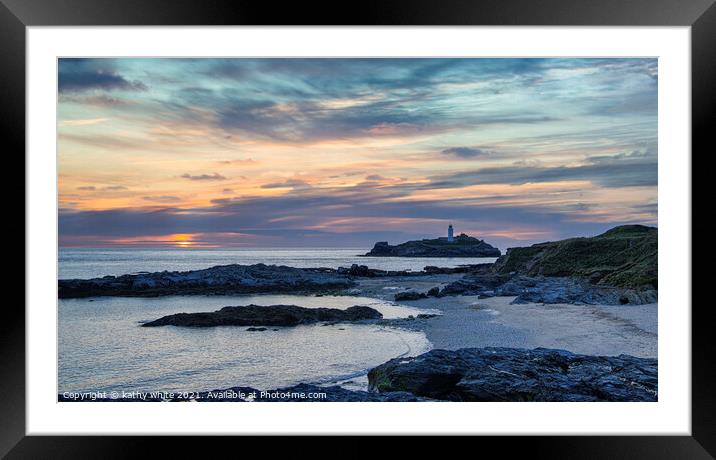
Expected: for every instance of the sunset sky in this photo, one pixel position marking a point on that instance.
(347, 152)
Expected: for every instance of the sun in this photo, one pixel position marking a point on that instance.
(182, 240)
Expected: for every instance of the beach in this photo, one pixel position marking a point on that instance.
(468, 321)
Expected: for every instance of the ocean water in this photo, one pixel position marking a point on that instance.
(102, 346)
(91, 263)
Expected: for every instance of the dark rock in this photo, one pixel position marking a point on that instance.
(426, 316)
(274, 315)
(475, 284)
(226, 279)
(552, 290)
(409, 295)
(359, 270)
(433, 292)
(510, 374)
(548, 289)
(468, 268)
(462, 246)
(257, 329)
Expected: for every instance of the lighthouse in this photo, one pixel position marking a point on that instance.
(450, 233)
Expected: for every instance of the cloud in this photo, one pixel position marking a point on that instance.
(110, 188)
(203, 177)
(289, 183)
(374, 177)
(607, 173)
(77, 75)
(246, 161)
(360, 215)
(83, 122)
(465, 152)
(162, 199)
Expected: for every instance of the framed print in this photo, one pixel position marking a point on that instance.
(417, 220)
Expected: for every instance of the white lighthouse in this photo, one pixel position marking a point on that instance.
(450, 233)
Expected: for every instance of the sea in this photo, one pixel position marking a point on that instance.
(102, 346)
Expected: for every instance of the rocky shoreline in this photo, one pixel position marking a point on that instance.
(481, 279)
(223, 279)
(491, 374)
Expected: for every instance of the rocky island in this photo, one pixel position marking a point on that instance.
(272, 315)
(461, 246)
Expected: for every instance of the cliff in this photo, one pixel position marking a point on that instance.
(624, 256)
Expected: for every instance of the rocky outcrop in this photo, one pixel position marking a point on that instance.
(225, 279)
(553, 290)
(413, 295)
(461, 246)
(624, 256)
(274, 315)
(549, 290)
(509, 374)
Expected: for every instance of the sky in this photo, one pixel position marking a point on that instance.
(199, 153)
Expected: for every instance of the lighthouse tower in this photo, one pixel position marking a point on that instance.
(450, 234)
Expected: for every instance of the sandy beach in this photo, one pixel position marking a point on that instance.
(467, 321)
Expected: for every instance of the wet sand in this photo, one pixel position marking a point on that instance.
(467, 321)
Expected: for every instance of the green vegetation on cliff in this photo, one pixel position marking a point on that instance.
(624, 256)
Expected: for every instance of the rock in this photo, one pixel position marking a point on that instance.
(274, 315)
(511, 374)
(553, 290)
(433, 292)
(475, 284)
(409, 295)
(257, 329)
(462, 246)
(468, 268)
(225, 279)
(549, 290)
(359, 270)
(426, 316)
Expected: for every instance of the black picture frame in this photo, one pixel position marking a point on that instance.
(16, 15)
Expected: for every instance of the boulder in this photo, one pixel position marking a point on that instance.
(511, 374)
(409, 295)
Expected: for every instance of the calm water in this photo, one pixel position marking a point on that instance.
(90, 263)
(103, 348)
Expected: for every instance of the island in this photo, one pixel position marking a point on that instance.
(460, 246)
(271, 315)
